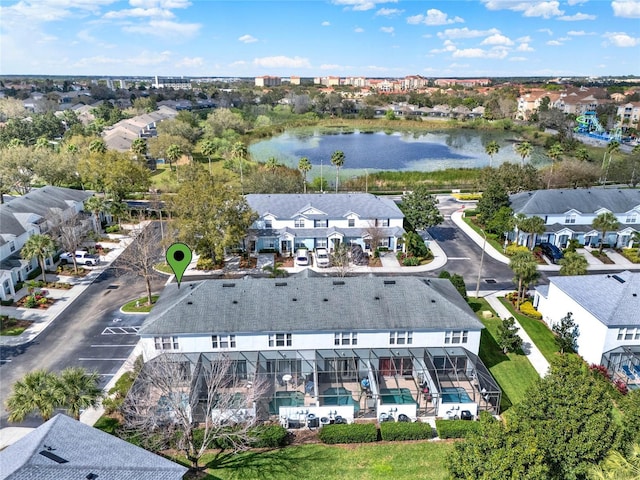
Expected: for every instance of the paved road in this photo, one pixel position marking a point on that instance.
(463, 254)
(91, 333)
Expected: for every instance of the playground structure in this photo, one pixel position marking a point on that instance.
(589, 125)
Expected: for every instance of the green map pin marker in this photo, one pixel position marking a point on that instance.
(179, 257)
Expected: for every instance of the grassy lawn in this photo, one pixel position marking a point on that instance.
(537, 330)
(492, 239)
(164, 268)
(10, 326)
(139, 305)
(513, 371)
(402, 460)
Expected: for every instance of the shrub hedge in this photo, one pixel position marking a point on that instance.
(351, 433)
(528, 309)
(456, 428)
(396, 431)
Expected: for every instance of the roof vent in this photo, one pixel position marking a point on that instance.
(376, 298)
(338, 282)
(189, 302)
(294, 299)
(325, 299)
(634, 294)
(621, 280)
(234, 302)
(228, 285)
(281, 284)
(389, 282)
(91, 476)
(433, 301)
(53, 456)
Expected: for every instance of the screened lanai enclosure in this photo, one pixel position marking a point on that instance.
(623, 363)
(332, 385)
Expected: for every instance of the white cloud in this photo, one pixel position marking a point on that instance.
(524, 47)
(165, 28)
(497, 39)
(387, 29)
(554, 43)
(190, 62)
(466, 33)
(620, 39)
(525, 39)
(389, 12)
(325, 24)
(145, 58)
(626, 8)
(33, 11)
(545, 30)
(517, 59)
(282, 61)
(448, 46)
(358, 29)
(528, 9)
(140, 12)
(361, 5)
(160, 3)
(576, 33)
(480, 53)
(577, 17)
(247, 39)
(433, 17)
(576, 2)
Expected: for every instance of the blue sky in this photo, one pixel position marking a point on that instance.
(373, 38)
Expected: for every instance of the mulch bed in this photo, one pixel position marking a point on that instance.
(23, 301)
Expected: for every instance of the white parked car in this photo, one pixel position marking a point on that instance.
(322, 258)
(82, 258)
(302, 257)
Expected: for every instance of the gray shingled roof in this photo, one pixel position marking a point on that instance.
(613, 301)
(541, 202)
(285, 206)
(87, 450)
(41, 202)
(309, 304)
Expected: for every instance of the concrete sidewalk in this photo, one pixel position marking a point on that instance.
(531, 351)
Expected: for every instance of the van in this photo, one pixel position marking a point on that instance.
(302, 257)
(551, 251)
(322, 258)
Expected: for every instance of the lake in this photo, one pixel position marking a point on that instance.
(399, 151)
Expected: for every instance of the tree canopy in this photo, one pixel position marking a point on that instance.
(419, 208)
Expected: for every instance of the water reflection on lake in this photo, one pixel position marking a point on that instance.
(376, 151)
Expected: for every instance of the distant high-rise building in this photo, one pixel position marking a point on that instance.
(172, 82)
(268, 81)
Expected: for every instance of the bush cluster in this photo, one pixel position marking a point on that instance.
(632, 254)
(351, 433)
(528, 309)
(456, 428)
(397, 431)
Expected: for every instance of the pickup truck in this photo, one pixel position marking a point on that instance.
(82, 258)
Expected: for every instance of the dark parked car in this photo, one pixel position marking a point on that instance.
(552, 252)
(358, 257)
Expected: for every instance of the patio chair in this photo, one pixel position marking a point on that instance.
(636, 368)
(627, 371)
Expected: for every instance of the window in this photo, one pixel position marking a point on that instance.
(345, 338)
(321, 243)
(269, 243)
(280, 340)
(166, 343)
(570, 218)
(322, 223)
(629, 334)
(352, 222)
(400, 338)
(12, 247)
(631, 218)
(384, 222)
(223, 341)
(268, 224)
(456, 336)
(298, 223)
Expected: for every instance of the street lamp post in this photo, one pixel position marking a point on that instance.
(484, 244)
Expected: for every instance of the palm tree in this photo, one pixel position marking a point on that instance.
(173, 154)
(524, 149)
(208, 149)
(618, 467)
(634, 238)
(42, 143)
(118, 210)
(492, 148)
(139, 148)
(573, 264)
(554, 153)
(95, 205)
(525, 268)
(40, 246)
(612, 147)
(239, 152)
(80, 389)
(582, 154)
(272, 164)
(337, 160)
(603, 223)
(37, 391)
(274, 270)
(304, 165)
(97, 146)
